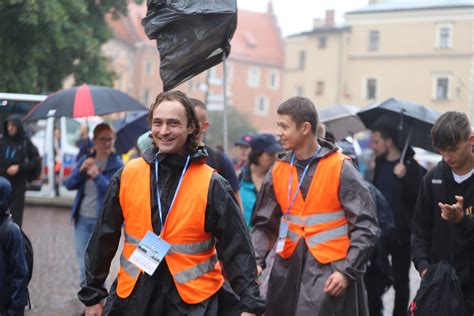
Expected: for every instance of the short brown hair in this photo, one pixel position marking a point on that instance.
(449, 129)
(102, 127)
(300, 110)
(181, 97)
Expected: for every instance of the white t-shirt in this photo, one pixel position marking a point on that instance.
(462, 178)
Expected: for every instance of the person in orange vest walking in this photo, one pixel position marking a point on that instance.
(315, 208)
(179, 218)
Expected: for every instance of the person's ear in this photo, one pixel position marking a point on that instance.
(306, 128)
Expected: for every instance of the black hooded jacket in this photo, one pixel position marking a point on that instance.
(223, 219)
(17, 150)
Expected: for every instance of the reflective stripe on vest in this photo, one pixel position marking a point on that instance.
(319, 218)
(192, 260)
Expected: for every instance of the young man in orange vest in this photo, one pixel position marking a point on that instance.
(178, 217)
(315, 210)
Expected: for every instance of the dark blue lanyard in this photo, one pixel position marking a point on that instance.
(7, 154)
(175, 193)
(290, 182)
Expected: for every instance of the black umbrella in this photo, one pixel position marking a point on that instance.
(132, 126)
(413, 121)
(192, 36)
(83, 101)
(341, 120)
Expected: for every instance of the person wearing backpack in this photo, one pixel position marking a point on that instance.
(443, 224)
(13, 264)
(19, 159)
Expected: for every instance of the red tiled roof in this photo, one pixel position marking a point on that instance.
(129, 29)
(257, 38)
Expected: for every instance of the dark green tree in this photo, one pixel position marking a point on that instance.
(238, 125)
(43, 42)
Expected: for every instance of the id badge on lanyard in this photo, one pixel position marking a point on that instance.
(282, 233)
(149, 253)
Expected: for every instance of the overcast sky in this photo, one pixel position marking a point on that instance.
(296, 16)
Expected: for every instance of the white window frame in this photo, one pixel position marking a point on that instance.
(299, 91)
(434, 93)
(449, 43)
(266, 105)
(149, 67)
(323, 88)
(276, 84)
(253, 77)
(146, 96)
(365, 82)
(322, 39)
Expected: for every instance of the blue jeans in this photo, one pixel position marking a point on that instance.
(83, 228)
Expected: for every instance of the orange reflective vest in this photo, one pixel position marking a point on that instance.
(319, 219)
(192, 259)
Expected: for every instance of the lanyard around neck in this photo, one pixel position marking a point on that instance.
(8, 155)
(160, 210)
(290, 182)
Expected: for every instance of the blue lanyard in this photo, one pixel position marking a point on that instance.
(175, 193)
(8, 156)
(290, 182)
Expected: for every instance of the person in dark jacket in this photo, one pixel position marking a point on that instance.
(443, 225)
(18, 157)
(331, 222)
(174, 127)
(91, 177)
(399, 182)
(13, 266)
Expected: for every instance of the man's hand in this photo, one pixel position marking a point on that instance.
(453, 213)
(13, 170)
(400, 170)
(259, 270)
(94, 310)
(336, 284)
(93, 171)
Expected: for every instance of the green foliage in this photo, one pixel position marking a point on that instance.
(238, 125)
(44, 41)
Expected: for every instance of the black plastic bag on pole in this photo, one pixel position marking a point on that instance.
(192, 36)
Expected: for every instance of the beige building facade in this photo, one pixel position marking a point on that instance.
(422, 52)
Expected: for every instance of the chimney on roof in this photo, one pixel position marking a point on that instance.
(317, 23)
(270, 7)
(330, 18)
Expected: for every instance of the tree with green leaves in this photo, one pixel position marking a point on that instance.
(43, 42)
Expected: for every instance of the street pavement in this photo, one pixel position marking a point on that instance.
(55, 281)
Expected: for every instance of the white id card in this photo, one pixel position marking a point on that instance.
(283, 231)
(149, 253)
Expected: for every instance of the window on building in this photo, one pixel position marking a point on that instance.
(274, 79)
(374, 40)
(302, 59)
(322, 42)
(444, 36)
(149, 68)
(299, 91)
(146, 96)
(319, 88)
(441, 85)
(262, 105)
(253, 79)
(370, 88)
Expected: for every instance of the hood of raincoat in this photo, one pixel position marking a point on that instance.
(5, 194)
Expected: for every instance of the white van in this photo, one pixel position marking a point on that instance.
(41, 133)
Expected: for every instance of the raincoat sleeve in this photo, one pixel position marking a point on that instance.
(76, 178)
(265, 221)
(33, 158)
(361, 216)
(234, 248)
(103, 245)
(423, 221)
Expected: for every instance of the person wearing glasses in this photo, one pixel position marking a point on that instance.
(91, 177)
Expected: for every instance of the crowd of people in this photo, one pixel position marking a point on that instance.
(291, 229)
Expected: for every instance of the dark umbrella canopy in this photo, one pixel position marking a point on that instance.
(341, 120)
(412, 120)
(82, 101)
(129, 129)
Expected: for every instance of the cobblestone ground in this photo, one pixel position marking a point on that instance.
(55, 279)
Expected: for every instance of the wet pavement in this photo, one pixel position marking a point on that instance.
(55, 279)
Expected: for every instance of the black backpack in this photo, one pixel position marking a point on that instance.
(26, 242)
(440, 293)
